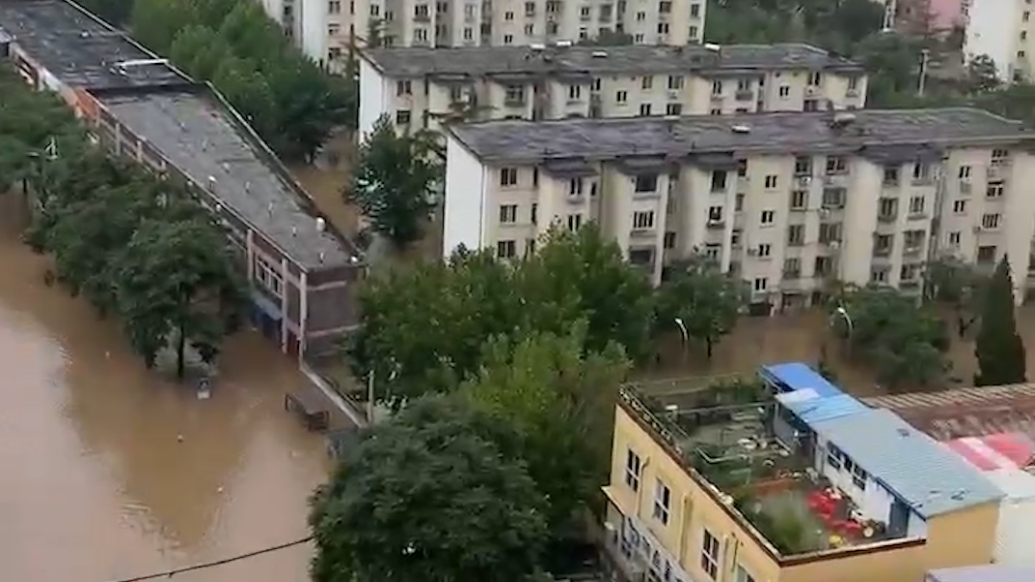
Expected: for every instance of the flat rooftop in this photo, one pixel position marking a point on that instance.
(80, 49)
(630, 59)
(195, 134)
(518, 141)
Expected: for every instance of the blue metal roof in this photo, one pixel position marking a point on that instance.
(798, 376)
(927, 476)
(993, 573)
(810, 407)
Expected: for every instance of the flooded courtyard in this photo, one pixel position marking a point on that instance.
(96, 483)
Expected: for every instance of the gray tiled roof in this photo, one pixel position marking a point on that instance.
(631, 59)
(79, 49)
(932, 479)
(194, 134)
(526, 141)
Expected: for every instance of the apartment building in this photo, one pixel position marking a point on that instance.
(303, 272)
(804, 485)
(421, 88)
(324, 29)
(786, 201)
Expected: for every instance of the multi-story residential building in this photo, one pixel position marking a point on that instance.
(303, 271)
(805, 485)
(786, 201)
(419, 88)
(326, 28)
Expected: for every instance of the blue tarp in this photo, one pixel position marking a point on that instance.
(795, 376)
(810, 407)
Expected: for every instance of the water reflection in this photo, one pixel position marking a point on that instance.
(95, 483)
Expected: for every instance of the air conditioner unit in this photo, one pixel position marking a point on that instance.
(964, 186)
(805, 181)
(811, 91)
(673, 94)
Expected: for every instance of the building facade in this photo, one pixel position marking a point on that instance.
(303, 272)
(698, 496)
(422, 88)
(785, 201)
(325, 29)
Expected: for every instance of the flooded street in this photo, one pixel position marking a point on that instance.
(94, 482)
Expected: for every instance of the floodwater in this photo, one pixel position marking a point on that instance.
(95, 484)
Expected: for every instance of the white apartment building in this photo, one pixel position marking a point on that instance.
(420, 88)
(784, 200)
(1003, 31)
(324, 29)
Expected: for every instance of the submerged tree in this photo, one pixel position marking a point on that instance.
(705, 300)
(999, 348)
(958, 285)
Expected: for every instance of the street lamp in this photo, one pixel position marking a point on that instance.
(370, 391)
(684, 335)
(843, 313)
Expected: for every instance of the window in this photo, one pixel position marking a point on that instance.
(815, 78)
(836, 165)
(712, 251)
(891, 176)
(633, 466)
(964, 172)
(743, 575)
(994, 190)
(529, 29)
(644, 109)
(403, 88)
(999, 155)
(506, 249)
(834, 198)
(595, 86)
(760, 284)
(695, 11)
(574, 222)
(646, 183)
(333, 29)
(643, 220)
(508, 39)
(887, 209)
(675, 82)
(716, 87)
(508, 177)
(882, 244)
(334, 7)
(830, 232)
(859, 476)
(718, 180)
(622, 96)
(269, 276)
(916, 205)
(420, 35)
(785, 91)
(508, 16)
(799, 199)
(990, 221)
(508, 213)
(574, 92)
(693, 33)
(662, 498)
(879, 274)
(670, 240)
(765, 250)
(575, 187)
(535, 213)
(954, 238)
(674, 109)
(959, 206)
(768, 216)
(716, 111)
(921, 172)
(770, 182)
(735, 238)
(791, 268)
(468, 33)
(647, 83)
(641, 16)
(665, 7)
(514, 94)
(529, 247)
(710, 555)
(715, 214)
(833, 456)
(795, 235)
(402, 117)
(986, 254)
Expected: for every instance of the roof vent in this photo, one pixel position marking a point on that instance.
(321, 224)
(84, 34)
(269, 208)
(842, 119)
(741, 128)
(211, 182)
(712, 47)
(563, 44)
(294, 231)
(903, 432)
(537, 47)
(599, 54)
(321, 256)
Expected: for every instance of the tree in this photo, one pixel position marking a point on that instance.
(560, 399)
(177, 280)
(117, 12)
(240, 82)
(430, 496)
(999, 348)
(155, 23)
(395, 183)
(706, 300)
(904, 342)
(958, 285)
(608, 38)
(982, 74)
(199, 50)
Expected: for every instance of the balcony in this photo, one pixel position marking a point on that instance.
(882, 252)
(716, 224)
(852, 93)
(744, 95)
(913, 251)
(643, 233)
(515, 101)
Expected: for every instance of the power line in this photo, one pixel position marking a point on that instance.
(175, 571)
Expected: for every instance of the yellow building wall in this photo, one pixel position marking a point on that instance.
(961, 538)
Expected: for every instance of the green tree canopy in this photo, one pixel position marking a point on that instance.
(999, 348)
(958, 285)
(394, 185)
(429, 496)
(561, 401)
(704, 300)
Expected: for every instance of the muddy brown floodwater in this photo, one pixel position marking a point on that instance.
(94, 483)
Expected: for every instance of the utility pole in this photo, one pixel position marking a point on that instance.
(925, 56)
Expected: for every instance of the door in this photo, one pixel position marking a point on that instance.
(898, 523)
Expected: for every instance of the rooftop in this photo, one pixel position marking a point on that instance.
(195, 134)
(995, 573)
(793, 376)
(929, 477)
(79, 49)
(864, 131)
(634, 59)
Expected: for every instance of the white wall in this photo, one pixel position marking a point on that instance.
(467, 183)
(311, 16)
(375, 97)
(991, 32)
